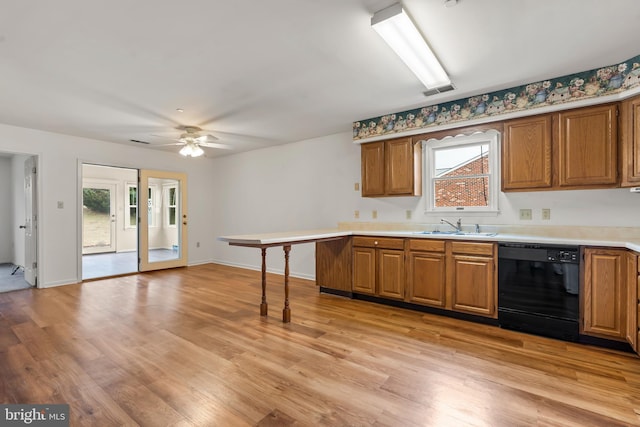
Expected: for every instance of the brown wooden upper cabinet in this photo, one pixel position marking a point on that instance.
(526, 153)
(630, 142)
(587, 146)
(391, 168)
(567, 150)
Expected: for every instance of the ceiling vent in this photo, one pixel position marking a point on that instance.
(140, 142)
(436, 91)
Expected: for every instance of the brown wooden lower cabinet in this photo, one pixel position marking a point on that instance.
(605, 290)
(364, 270)
(461, 276)
(427, 280)
(633, 295)
(334, 264)
(453, 275)
(378, 266)
(473, 285)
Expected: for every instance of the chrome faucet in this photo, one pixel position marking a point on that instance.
(457, 226)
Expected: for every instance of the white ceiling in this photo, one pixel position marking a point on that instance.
(257, 73)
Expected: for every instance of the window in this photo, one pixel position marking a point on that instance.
(132, 206)
(172, 193)
(462, 173)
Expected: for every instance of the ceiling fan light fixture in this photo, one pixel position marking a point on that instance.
(187, 150)
(191, 149)
(396, 28)
(197, 151)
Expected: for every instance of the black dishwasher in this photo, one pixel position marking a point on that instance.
(538, 289)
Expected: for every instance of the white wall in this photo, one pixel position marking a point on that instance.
(310, 184)
(6, 214)
(299, 186)
(59, 159)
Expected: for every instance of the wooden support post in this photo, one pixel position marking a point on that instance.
(263, 304)
(286, 312)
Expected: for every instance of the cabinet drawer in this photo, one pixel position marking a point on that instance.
(472, 248)
(427, 245)
(378, 242)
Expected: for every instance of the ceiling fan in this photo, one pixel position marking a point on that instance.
(192, 142)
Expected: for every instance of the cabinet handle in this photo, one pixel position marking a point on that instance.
(375, 242)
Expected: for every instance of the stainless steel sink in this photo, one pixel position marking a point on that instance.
(456, 233)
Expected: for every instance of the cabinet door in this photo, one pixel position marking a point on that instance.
(604, 293)
(473, 285)
(632, 300)
(399, 163)
(526, 153)
(587, 147)
(630, 138)
(364, 270)
(391, 273)
(372, 159)
(333, 264)
(427, 280)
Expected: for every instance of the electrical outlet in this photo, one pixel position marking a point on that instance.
(374, 214)
(60, 205)
(525, 214)
(408, 214)
(197, 244)
(546, 213)
(356, 186)
(356, 214)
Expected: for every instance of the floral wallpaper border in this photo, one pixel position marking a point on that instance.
(588, 84)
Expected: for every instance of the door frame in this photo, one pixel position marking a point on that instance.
(79, 186)
(143, 220)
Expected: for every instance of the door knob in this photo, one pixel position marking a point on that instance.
(22, 226)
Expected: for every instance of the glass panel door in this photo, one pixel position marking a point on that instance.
(98, 218)
(163, 220)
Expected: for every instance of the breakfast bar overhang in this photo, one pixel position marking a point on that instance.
(286, 240)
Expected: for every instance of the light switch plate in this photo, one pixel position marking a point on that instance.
(374, 214)
(356, 186)
(356, 214)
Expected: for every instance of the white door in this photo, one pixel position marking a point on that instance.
(31, 222)
(162, 216)
(98, 218)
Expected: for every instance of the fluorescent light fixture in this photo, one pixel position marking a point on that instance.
(397, 29)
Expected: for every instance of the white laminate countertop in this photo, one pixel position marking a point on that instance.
(306, 236)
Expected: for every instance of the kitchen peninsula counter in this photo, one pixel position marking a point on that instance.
(620, 237)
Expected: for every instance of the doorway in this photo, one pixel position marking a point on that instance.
(132, 220)
(18, 221)
(109, 235)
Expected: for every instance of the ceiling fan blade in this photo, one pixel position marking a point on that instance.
(206, 138)
(165, 137)
(215, 145)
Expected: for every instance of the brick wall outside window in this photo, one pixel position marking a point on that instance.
(454, 189)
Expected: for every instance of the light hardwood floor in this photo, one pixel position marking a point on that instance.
(187, 347)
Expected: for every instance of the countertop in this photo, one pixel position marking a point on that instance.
(589, 237)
